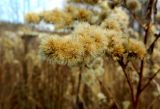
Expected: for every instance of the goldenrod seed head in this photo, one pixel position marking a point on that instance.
(32, 18)
(61, 50)
(92, 38)
(135, 48)
(116, 47)
(119, 15)
(83, 15)
(105, 5)
(71, 9)
(110, 24)
(57, 17)
(89, 78)
(134, 5)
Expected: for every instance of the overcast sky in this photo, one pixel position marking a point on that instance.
(14, 10)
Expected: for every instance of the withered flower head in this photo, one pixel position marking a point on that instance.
(110, 24)
(61, 50)
(57, 17)
(32, 18)
(120, 16)
(134, 5)
(135, 48)
(83, 14)
(92, 38)
(115, 46)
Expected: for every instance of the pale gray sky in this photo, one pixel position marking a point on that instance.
(14, 10)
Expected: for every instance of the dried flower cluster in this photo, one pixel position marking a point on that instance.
(60, 18)
(89, 41)
(83, 45)
(86, 43)
(98, 30)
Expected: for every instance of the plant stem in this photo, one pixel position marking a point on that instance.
(110, 95)
(149, 16)
(139, 85)
(128, 81)
(152, 46)
(78, 88)
(149, 81)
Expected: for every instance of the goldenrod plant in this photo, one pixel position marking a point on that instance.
(101, 29)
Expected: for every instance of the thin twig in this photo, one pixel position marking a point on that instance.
(128, 81)
(149, 16)
(78, 88)
(149, 81)
(139, 84)
(152, 46)
(141, 23)
(134, 67)
(134, 16)
(110, 95)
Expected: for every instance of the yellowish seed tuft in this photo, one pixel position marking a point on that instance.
(115, 46)
(111, 24)
(32, 18)
(57, 17)
(61, 50)
(134, 5)
(135, 48)
(93, 39)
